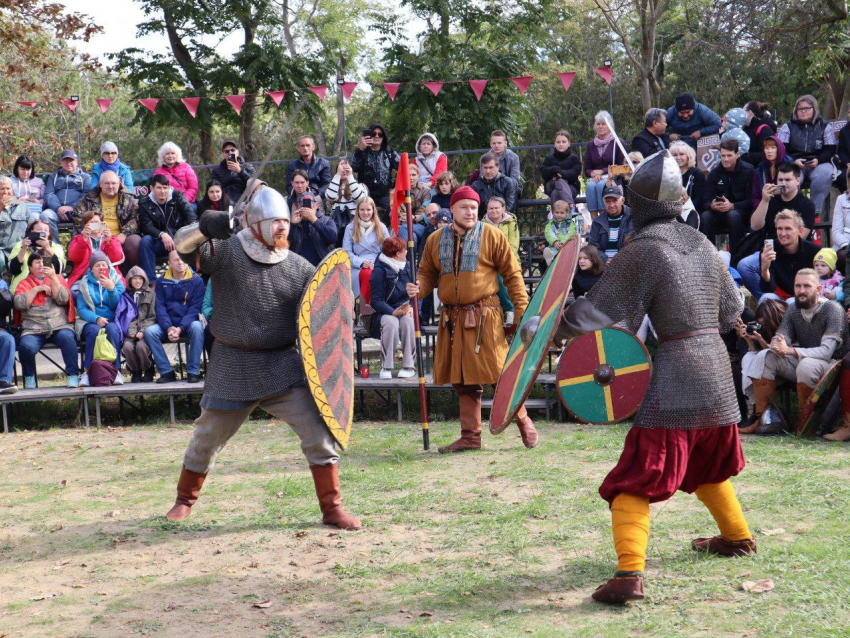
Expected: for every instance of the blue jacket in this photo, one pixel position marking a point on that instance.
(388, 291)
(178, 302)
(706, 121)
(92, 301)
(65, 190)
(313, 241)
(599, 230)
(319, 172)
(124, 172)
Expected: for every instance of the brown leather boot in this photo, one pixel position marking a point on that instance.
(188, 488)
(765, 391)
(326, 479)
(803, 394)
(843, 432)
(526, 428)
(620, 589)
(470, 425)
(722, 547)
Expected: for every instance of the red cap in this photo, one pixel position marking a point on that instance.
(465, 192)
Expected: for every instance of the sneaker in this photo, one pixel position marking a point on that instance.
(168, 377)
(406, 373)
(7, 388)
(119, 379)
(74, 381)
(29, 383)
(136, 377)
(386, 374)
(509, 317)
(84, 380)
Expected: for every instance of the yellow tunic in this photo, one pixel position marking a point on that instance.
(455, 359)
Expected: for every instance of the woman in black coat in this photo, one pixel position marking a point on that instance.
(759, 127)
(562, 163)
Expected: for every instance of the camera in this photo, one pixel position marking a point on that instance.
(754, 327)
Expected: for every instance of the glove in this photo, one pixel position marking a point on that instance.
(215, 224)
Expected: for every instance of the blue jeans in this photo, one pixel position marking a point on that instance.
(31, 345)
(155, 336)
(7, 356)
(750, 269)
(150, 250)
(113, 333)
(593, 192)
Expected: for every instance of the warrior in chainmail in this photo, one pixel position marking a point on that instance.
(685, 435)
(257, 288)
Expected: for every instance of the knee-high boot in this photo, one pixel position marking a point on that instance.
(188, 489)
(470, 424)
(326, 479)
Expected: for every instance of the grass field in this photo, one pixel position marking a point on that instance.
(503, 542)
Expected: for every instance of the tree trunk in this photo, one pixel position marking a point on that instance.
(207, 152)
(249, 107)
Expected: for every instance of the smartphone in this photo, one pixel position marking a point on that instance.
(768, 243)
(367, 132)
(94, 226)
(34, 237)
(306, 200)
(780, 188)
(718, 198)
(231, 157)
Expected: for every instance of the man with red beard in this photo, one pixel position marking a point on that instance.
(257, 289)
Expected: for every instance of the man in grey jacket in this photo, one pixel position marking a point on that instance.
(508, 160)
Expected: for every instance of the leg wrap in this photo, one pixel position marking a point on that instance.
(721, 501)
(630, 523)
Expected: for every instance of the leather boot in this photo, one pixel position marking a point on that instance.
(526, 428)
(843, 432)
(765, 391)
(620, 589)
(326, 479)
(470, 425)
(803, 394)
(722, 547)
(188, 488)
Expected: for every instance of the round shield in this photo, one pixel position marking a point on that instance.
(603, 375)
(810, 414)
(325, 330)
(531, 344)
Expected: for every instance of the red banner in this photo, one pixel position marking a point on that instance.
(29, 104)
(434, 87)
(236, 101)
(150, 103)
(402, 187)
(348, 89)
(522, 82)
(104, 103)
(277, 96)
(191, 104)
(392, 88)
(319, 91)
(71, 104)
(478, 87)
(606, 73)
(567, 79)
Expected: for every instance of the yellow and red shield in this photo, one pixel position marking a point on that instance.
(811, 412)
(325, 330)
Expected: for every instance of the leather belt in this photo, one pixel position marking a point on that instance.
(473, 316)
(686, 335)
(249, 349)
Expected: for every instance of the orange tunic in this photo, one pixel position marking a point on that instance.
(455, 358)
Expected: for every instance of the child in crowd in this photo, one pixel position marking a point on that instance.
(137, 354)
(429, 159)
(558, 230)
(445, 185)
(443, 218)
(589, 271)
(830, 278)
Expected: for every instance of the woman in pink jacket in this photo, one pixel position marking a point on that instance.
(179, 173)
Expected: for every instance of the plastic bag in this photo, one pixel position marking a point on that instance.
(103, 348)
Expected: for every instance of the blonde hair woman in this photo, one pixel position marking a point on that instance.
(363, 239)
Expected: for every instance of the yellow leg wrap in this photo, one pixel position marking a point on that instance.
(721, 501)
(630, 523)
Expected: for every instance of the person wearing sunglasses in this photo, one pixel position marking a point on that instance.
(374, 162)
(111, 162)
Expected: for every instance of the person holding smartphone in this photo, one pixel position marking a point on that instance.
(233, 172)
(727, 196)
(343, 194)
(375, 162)
(312, 235)
(95, 236)
(38, 239)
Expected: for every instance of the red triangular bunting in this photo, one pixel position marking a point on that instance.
(392, 88)
(478, 88)
(236, 101)
(606, 72)
(522, 82)
(71, 104)
(318, 90)
(434, 87)
(29, 104)
(348, 89)
(149, 103)
(567, 79)
(277, 96)
(191, 104)
(104, 103)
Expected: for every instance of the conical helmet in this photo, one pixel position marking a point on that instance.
(655, 190)
(265, 203)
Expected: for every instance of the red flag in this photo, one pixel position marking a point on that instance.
(606, 72)
(348, 89)
(149, 103)
(318, 90)
(28, 103)
(434, 87)
(402, 187)
(236, 101)
(392, 88)
(567, 79)
(71, 104)
(478, 88)
(277, 96)
(104, 103)
(191, 104)
(522, 82)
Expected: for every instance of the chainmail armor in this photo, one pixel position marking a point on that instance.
(645, 211)
(671, 272)
(256, 306)
(829, 320)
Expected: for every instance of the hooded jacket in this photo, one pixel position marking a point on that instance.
(762, 175)
(510, 229)
(500, 186)
(375, 168)
(178, 301)
(92, 301)
(127, 211)
(759, 130)
(168, 218)
(430, 167)
(143, 300)
(566, 164)
(63, 189)
(124, 173)
(805, 140)
(233, 183)
(182, 177)
(704, 120)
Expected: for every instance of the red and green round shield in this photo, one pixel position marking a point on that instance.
(531, 343)
(811, 412)
(603, 375)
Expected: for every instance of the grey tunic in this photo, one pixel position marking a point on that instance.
(809, 336)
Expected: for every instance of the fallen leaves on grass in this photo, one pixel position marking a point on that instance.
(265, 604)
(426, 614)
(46, 596)
(758, 586)
(773, 532)
(301, 534)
